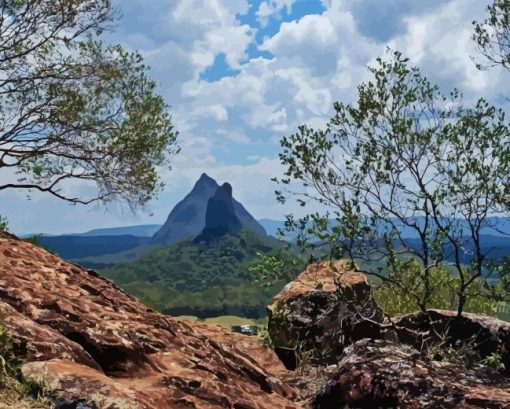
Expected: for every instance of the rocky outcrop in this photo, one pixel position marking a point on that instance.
(187, 218)
(220, 216)
(89, 340)
(324, 309)
(383, 374)
(480, 334)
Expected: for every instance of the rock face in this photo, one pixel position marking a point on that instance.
(90, 340)
(483, 335)
(187, 218)
(382, 374)
(220, 216)
(324, 309)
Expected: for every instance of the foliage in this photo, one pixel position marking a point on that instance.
(9, 361)
(405, 171)
(4, 225)
(282, 265)
(395, 300)
(495, 361)
(464, 353)
(36, 240)
(34, 394)
(202, 279)
(492, 35)
(75, 109)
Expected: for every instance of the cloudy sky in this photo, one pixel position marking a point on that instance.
(241, 74)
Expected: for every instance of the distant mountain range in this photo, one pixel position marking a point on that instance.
(144, 230)
(197, 262)
(501, 227)
(78, 247)
(140, 230)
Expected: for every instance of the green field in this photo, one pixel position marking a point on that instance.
(228, 321)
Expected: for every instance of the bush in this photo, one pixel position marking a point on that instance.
(398, 299)
(9, 362)
(4, 226)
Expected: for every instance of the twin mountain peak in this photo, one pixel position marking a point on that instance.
(208, 211)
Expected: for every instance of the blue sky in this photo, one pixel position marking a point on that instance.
(239, 75)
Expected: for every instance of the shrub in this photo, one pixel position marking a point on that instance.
(443, 286)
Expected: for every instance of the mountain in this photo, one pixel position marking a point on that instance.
(220, 216)
(143, 230)
(76, 247)
(106, 246)
(187, 218)
(496, 227)
(205, 275)
(99, 243)
(271, 226)
(205, 278)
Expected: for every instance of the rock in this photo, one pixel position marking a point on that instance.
(187, 218)
(324, 309)
(220, 216)
(96, 345)
(383, 374)
(481, 334)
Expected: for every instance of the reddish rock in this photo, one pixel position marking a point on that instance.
(324, 309)
(90, 340)
(382, 374)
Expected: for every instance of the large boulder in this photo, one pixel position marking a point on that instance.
(482, 336)
(384, 374)
(324, 309)
(93, 343)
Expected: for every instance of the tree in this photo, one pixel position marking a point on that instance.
(492, 35)
(406, 172)
(75, 109)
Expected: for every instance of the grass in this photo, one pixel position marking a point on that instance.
(228, 321)
(15, 391)
(503, 311)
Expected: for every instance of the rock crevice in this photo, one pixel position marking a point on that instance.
(92, 342)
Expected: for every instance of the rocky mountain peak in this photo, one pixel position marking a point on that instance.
(205, 182)
(220, 217)
(188, 218)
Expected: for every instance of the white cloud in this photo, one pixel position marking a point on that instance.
(272, 9)
(440, 43)
(317, 59)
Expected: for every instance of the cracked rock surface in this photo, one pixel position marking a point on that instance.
(96, 344)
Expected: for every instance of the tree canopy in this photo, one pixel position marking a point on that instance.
(492, 35)
(406, 172)
(73, 108)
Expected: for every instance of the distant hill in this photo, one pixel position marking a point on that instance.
(205, 275)
(76, 247)
(187, 218)
(199, 278)
(144, 230)
(99, 242)
(103, 247)
(271, 226)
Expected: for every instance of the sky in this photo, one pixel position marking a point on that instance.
(239, 75)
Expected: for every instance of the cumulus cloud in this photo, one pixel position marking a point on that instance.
(272, 9)
(316, 60)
